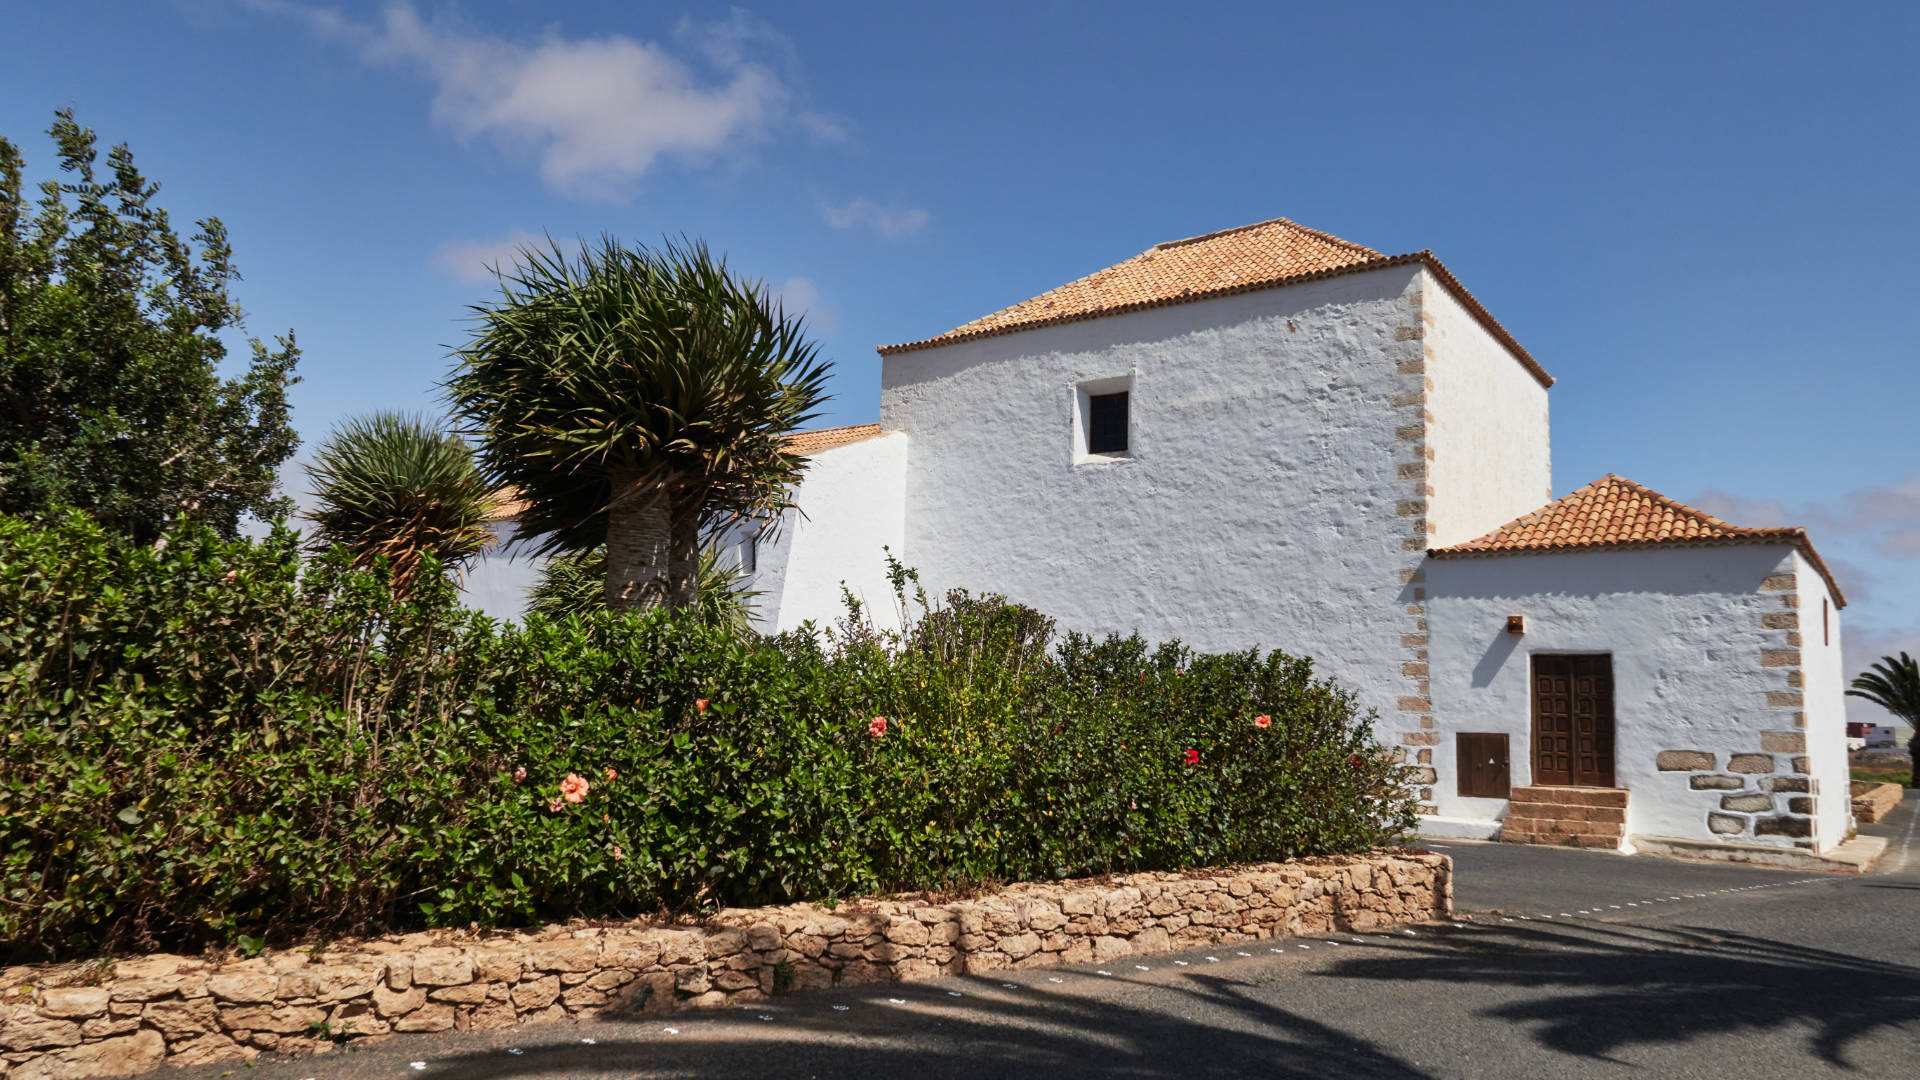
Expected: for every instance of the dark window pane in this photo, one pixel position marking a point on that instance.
(1107, 424)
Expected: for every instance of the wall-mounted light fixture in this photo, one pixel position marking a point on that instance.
(1516, 624)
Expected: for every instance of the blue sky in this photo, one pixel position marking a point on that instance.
(1698, 217)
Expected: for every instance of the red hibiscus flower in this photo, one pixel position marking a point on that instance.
(1193, 757)
(877, 726)
(1263, 721)
(700, 704)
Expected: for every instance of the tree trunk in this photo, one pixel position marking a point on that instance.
(684, 564)
(637, 549)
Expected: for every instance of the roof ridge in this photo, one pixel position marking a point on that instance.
(1226, 262)
(1616, 512)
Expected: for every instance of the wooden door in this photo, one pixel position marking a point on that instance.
(1573, 720)
(1481, 760)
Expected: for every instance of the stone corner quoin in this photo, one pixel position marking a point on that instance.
(64, 1021)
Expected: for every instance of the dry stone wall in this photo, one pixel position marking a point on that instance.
(98, 1019)
(1873, 802)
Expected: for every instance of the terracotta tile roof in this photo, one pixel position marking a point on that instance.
(805, 443)
(1264, 255)
(1614, 512)
(507, 505)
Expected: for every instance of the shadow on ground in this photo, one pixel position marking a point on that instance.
(1024, 1033)
(1598, 990)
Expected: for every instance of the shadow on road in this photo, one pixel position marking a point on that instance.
(1619, 988)
(1020, 1034)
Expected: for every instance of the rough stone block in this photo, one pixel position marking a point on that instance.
(179, 1020)
(245, 987)
(284, 1020)
(430, 1017)
(1779, 657)
(1783, 826)
(1750, 763)
(1748, 804)
(1716, 783)
(109, 1057)
(1683, 760)
(392, 1003)
(566, 954)
(1783, 742)
(33, 1033)
(1778, 583)
(442, 967)
(1800, 804)
(213, 1049)
(1424, 776)
(1784, 783)
(1780, 620)
(1419, 738)
(1726, 824)
(74, 1002)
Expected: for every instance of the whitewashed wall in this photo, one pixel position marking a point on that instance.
(850, 515)
(1492, 455)
(498, 581)
(1826, 681)
(1258, 504)
(1684, 628)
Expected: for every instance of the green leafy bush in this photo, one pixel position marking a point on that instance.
(207, 740)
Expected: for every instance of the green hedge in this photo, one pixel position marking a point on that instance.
(213, 743)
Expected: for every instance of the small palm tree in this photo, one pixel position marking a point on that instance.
(636, 399)
(1894, 685)
(574, 583)
(401, 487)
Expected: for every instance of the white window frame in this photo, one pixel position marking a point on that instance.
(1082, 417)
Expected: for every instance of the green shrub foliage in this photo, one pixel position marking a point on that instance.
(208, 740)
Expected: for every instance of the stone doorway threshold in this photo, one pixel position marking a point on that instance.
(1855, 856)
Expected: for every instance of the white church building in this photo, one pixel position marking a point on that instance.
(1268, 436)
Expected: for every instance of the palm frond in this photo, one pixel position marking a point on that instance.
(400, 487)
(1893, 684)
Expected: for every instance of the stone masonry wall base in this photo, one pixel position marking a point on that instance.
(67, 1021)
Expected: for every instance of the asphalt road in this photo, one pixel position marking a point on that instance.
(1561, 964)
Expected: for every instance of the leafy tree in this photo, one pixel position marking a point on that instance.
(637, 398)
(401, 487)
(110, 396)
(1894, 685)
(574, 583)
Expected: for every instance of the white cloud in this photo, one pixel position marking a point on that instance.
(474, 260)
(596, 112)
(889, 223)
(1888, 516)
(1740, 510)
(800, 296)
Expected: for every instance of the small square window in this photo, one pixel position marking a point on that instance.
(1107, 423)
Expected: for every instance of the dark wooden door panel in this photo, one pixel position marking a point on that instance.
(1481, 760)
(1573, 720)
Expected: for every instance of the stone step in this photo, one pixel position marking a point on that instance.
(1555, 812)
(1565, 828)
(1570, 796)
(1559, 839)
